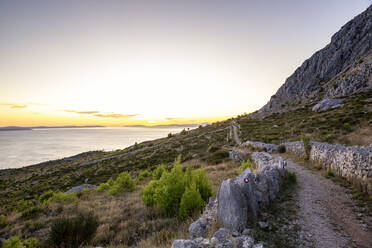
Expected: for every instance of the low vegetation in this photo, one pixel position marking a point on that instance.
(178, 192)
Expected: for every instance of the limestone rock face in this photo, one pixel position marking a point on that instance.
(341, 68)
(327, 104)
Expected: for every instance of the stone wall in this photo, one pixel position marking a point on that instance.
(238, 202)
(354, 163)
(261, 146)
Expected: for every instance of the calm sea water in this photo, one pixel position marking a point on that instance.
(22, 148)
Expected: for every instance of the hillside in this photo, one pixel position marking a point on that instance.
(33, 198)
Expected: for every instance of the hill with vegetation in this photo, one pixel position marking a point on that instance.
(130, 207)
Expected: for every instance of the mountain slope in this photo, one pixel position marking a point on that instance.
(342, 68)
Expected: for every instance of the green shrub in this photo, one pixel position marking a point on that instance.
(281, 149)
(167, 193)
(203, 185)
(46, 196)
(307, 146)
(125, 182)
(156, 174)
(347, 126)
(122, 183)
(30, 243)
(247, 164)
(144, 174)
(3, 221)
(148, 193)
(191, 202)
(13, 242)
(73, 232)
(103, 187)
(329, 174)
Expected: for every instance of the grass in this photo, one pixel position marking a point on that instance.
(324, 126)
(329, 173)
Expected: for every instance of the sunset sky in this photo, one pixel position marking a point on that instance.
(152, 62)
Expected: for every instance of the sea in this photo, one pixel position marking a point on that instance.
(27, 147)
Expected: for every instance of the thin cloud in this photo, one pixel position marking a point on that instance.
(115, 116)
(14, 105)
(81, 112)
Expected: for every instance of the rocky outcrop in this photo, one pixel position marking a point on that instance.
(354, 163)
(327, 104)
(239, 200)
(223, 238)
(200, 228)
(342, 68)
(261, 146)
(81, 188)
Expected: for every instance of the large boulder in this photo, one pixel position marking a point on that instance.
(327, 104)
(232, 209)
(246, 183)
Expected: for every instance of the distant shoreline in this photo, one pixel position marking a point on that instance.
(17, 128)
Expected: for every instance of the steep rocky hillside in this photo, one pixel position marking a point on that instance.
(342, 68)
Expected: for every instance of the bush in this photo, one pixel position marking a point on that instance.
(122, 183)
(307, 146)
(144, 174)
(103, 187)
(46, 196)
(167, 193)
(347, 126)
(329, 174)
(281, 149)
(156, 174)
(73, 232)
(31, 243)
(3, 221)
(13, 242)
(191, 202)
(247, 164)
(125, 182)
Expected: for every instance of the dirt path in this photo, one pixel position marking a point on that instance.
(235, 132)
(326, 211)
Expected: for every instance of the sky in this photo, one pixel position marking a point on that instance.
(114, 63)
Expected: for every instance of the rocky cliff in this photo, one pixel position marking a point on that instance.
(340, 69)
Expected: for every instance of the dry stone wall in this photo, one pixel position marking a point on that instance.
(354, 163)
(238, 202)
